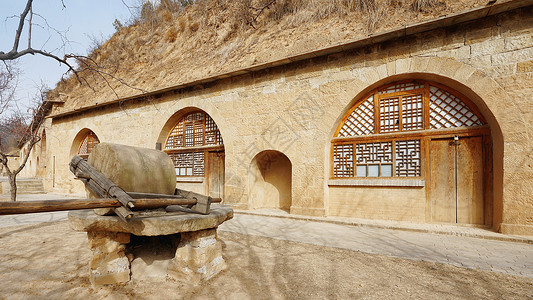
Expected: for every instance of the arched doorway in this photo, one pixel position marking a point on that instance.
(416, 133)
(270, 180)
(196, 147)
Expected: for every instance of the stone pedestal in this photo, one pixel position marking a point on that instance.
(198, 256)
(109, 263)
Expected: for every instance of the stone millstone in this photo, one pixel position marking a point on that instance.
(133, 169)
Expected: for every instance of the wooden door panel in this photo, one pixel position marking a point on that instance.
(442, 181)
(215, 178)
(461, 200)
(470, 181)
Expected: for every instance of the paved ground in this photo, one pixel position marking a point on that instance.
(514, 258)
(459, 246)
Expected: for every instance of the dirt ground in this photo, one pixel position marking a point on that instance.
(49, 261)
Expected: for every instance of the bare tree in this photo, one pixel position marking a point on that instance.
(76, 65)
(15, 131)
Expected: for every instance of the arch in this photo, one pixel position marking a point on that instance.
(502, 112)
(270, 181)
(411, 129)
(84, 143)
(193, 141)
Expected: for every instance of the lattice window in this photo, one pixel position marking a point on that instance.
(447, 111)
(212, 134)
(412, 112)
(374, 159)
(343, 160)
(87, 144)
(408, 158)
(401, 87)
(389, 111)
(397, 111)
(360, 121)
(188, 163)
(195, 131)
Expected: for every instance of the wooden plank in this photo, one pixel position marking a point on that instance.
(100, 185)
(215, 174)
(24, 207)
(202, 202)
(434, 133)
(106, 185)
(442, 181)
(163, 196)
(470, 181)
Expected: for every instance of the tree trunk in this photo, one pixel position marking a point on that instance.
(13, 183)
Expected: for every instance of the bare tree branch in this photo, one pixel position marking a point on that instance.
(84, 68)
(21, 26)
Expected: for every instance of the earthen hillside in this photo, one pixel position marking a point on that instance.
(172, 44)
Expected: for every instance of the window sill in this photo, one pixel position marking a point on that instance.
(190, 179)
(378, 182)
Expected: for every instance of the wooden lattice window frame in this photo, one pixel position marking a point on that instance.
(87, 144)
(414, 123)
(188, 142)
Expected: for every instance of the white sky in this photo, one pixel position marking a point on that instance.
(79, 20)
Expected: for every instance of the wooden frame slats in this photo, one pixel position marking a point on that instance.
(189, 141)
(402, 114)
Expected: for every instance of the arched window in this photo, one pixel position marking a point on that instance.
(386, 133)
(190, 141)
(87, 144)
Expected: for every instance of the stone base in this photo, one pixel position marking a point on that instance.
(516, 229)
(184, 245)
(308, 211)
(109, 264)
(198, 257)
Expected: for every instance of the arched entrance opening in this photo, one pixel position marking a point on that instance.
(424, 147)
(270, 179)
(84, 143)
(195, 144)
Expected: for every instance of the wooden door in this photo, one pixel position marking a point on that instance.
(456, 180)
(215, 174)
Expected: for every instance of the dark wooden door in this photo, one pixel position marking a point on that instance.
(456, 180)
(215, 174)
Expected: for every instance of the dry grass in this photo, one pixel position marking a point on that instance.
(171, 35)
(233, 34)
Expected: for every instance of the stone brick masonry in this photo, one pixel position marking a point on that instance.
(295, 108)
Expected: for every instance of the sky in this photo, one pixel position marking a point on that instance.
(79, 20)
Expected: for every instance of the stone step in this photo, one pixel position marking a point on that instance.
(24, 186)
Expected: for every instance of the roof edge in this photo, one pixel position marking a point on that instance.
(403, 31)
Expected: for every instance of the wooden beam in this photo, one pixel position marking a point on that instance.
(25, 207)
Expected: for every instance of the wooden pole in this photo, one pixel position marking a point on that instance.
(25, 207)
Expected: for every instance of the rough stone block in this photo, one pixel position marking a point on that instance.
(487, 47)
(524, 67)
(109, 264)
(475, 36)
(403, 65)
(513, 56)
(519, 42)
(198, 257)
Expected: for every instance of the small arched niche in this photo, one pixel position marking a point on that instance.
(270, 180)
